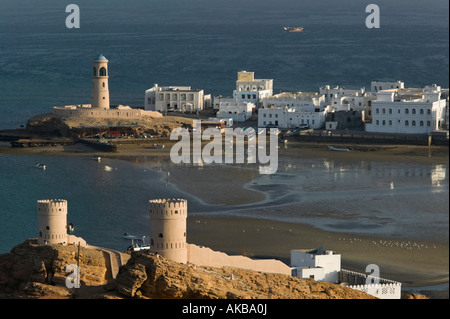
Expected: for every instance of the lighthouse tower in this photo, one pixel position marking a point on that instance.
(168, 228)
(52, 221)
(100, 90)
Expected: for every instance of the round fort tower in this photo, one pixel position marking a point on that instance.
(168, 228)
(52, 221)
(100, 89)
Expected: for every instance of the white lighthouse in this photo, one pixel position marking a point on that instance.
(100, 90)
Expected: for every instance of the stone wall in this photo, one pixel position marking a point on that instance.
(204, 256)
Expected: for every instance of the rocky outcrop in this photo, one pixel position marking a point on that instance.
(54, 125)
(40, 271)
(35, 271)
(151, 276)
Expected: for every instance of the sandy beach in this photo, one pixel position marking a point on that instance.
(424, 263)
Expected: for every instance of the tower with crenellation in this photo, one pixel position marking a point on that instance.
(52, 221)
(168, 228)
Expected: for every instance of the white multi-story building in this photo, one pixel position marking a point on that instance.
(175, 98)
(376, 86)
(238, 111)
(286, 118)
(334, 95)
(316, 264)
(248, 89)
(324, 265)
(297, 100)
(408, 111)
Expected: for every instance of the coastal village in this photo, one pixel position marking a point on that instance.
(388, 111)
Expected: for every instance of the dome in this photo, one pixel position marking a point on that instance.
(100, 57)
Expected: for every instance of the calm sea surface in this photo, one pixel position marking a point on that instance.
(203, 44)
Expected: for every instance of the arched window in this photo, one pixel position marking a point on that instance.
(413, 123)
(421, 111)
(102, 71)
(103, 84)
(406, 123)
(406, 111)
(160, 235)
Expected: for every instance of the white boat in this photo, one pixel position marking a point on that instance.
(41, 166)
(108, 168)
(343, 149)
(97, 158)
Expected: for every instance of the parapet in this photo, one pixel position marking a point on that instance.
(166, 207)
(47, 206)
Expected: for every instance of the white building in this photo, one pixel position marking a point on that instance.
(322, 265)
(297, 100)
(248, 89)
(376, 86)
(334, 95)
(238, 111)
(175, 98)
(286, 118)
(408, 111)
(316, 264)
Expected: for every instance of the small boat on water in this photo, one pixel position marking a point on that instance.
(157, 146)
(41, 166)
(128, 236)
(108, 168)
(343, 149)
(293, 29)
(97, 158)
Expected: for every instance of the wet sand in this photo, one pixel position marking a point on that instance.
(423, 264)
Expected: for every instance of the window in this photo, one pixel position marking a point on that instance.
(390, 122)
(421, 111)
(102, 72)
(413, 123)
(264, 115)
(377, 111)
(390, 111)
(406, 111)
(243, 96)
(428, 111)
(413, 111)
(254, 96)
(421, 122)
(384, 111)
(384, 122)
(377, 122)
(160, 235)
(428, 123)
(406, 123)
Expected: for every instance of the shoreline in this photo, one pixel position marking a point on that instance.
(259, 237)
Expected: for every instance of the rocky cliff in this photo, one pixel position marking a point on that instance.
(34, 271)
(51, 124)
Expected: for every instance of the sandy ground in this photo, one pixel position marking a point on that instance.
(261, 238)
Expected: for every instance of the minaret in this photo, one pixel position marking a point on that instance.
(168, 228)
(52, 221)
(100, 90)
